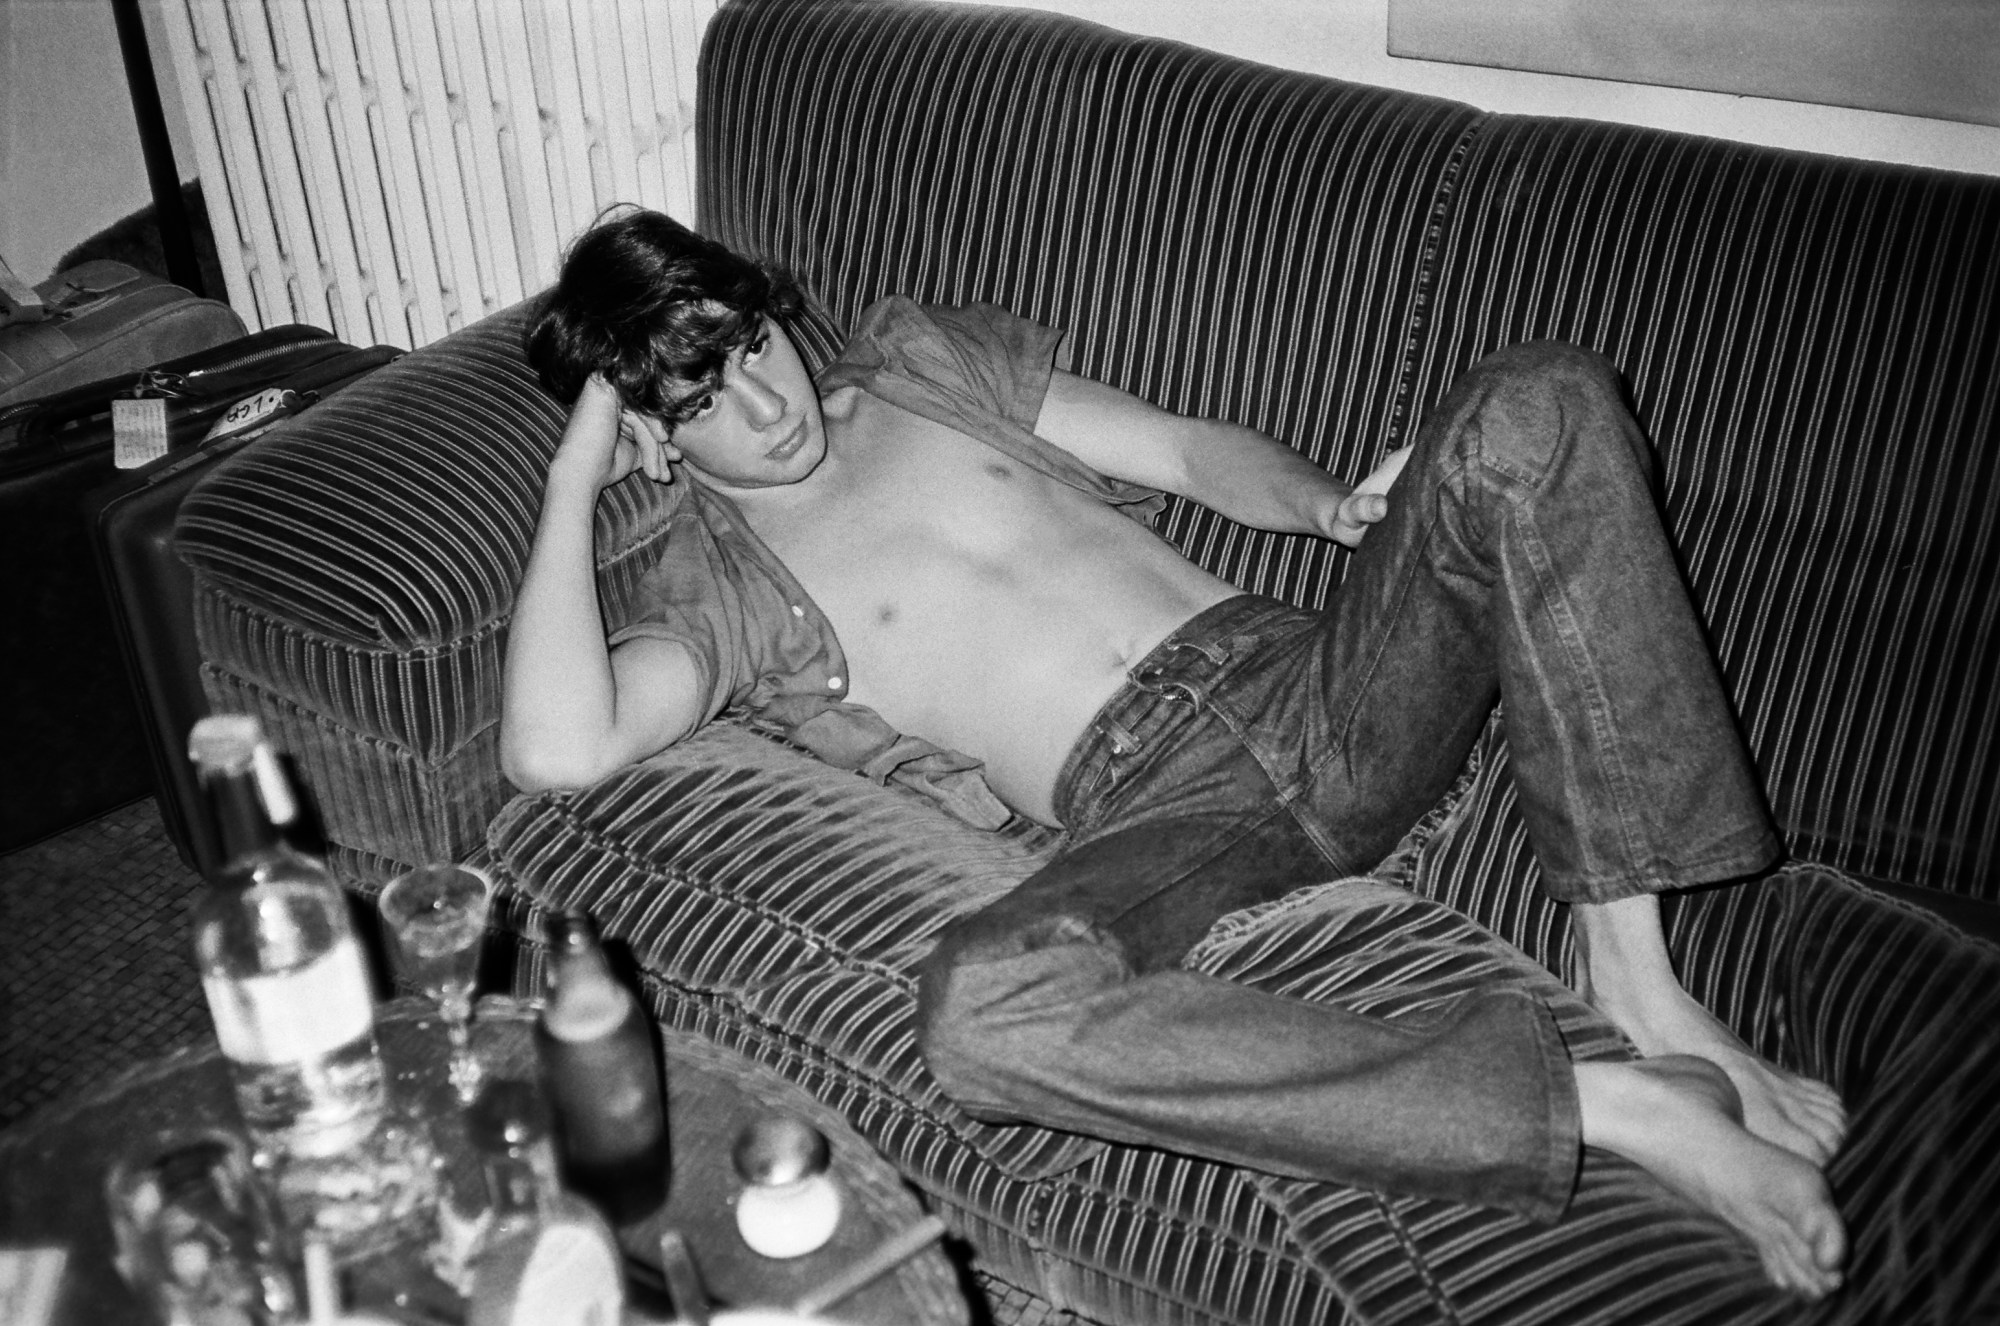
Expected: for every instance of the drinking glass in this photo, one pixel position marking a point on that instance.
(436, 919)
(198, 1237)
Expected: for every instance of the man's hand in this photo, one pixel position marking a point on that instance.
(1368, 503)
(604, 441)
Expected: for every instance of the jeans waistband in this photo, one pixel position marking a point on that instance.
(1196, 654)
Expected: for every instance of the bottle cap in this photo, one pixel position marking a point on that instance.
(572, 930)
(777, 1149)
(225, 743)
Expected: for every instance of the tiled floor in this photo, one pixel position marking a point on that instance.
(96, 973)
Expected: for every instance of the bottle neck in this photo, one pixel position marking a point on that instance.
(586, 1002)
(241, 822)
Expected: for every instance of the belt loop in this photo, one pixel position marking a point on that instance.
(1121, 739)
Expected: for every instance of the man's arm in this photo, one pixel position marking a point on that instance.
(1238, 471)
(573, 708)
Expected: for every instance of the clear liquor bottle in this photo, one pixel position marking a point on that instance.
(287, 984)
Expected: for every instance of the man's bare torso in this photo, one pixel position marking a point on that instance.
(982, 605)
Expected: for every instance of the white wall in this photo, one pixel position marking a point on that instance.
(70, 162)
(1349, 39)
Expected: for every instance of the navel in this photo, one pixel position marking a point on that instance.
(885, 615)
(999, 471)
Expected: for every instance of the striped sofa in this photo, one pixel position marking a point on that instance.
(1811, 342)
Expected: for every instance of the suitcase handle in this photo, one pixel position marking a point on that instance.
(19, 301)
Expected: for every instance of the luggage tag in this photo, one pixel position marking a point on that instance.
(138, 432)
(139, 424)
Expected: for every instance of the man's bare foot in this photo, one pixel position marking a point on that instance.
(1677, 1117)
(1623, 969)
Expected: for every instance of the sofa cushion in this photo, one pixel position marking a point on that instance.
(744, 872)
(791, 903)
(1377, 949)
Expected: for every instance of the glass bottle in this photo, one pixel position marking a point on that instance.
(543, 1256)
(603, 1078)
(287, 985)
(294, 1010)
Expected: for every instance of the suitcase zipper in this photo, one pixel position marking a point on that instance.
(152, 382)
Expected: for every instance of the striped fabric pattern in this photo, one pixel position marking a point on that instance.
(354, 576)
(1081, 177)
(1811, 343)
(1814, 346)
(1377, 949)
(782, 906)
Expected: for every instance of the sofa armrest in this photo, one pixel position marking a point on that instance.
(355, 572)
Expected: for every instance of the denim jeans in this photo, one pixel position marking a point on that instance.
(1261, 747)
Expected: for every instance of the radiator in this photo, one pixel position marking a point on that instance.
(394, 169)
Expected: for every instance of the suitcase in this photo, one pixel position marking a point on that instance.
(98, 320)
(81, 694)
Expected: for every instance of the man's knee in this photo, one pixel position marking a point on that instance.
(1540, 403)
(993, 1000)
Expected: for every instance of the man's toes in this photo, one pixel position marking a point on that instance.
(1821, 1100)
(1829, 1246)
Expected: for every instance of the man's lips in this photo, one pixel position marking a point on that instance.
(786, 449)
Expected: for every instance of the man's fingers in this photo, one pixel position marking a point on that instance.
(1360, 510)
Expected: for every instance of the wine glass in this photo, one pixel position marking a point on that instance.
(436, 919)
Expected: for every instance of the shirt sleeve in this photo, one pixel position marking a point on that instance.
(693, 597)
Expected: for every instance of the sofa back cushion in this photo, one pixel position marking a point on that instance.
(1812, 342)
(1219, 237)
(1813, 345)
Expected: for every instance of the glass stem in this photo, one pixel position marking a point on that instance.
(457, 1012)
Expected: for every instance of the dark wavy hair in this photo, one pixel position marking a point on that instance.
(655, 308)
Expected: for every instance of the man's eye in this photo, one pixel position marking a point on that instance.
(757, 345)
(701, 405)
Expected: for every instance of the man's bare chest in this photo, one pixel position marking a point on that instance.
(915, 504)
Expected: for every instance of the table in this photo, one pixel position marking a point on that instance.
(52, 1168)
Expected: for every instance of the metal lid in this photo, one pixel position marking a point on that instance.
(778, 1148)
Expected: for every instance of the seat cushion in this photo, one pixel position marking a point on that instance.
(783, 906)
(744, 872)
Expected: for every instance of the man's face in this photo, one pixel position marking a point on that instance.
(761, 427)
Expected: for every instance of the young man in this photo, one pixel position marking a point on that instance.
(924, 566)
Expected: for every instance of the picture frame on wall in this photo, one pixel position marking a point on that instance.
(1939, 59)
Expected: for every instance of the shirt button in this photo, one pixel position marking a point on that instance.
(833, 683)
(797, 611)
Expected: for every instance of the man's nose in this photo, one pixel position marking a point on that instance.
(763, 405)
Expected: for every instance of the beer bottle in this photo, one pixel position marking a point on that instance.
(603, 1078)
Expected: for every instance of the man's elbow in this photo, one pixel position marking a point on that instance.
(547, 767)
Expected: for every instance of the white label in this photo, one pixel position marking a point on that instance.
(249, 412)
(296, 1015)
(138, 432)
(571, 1279)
